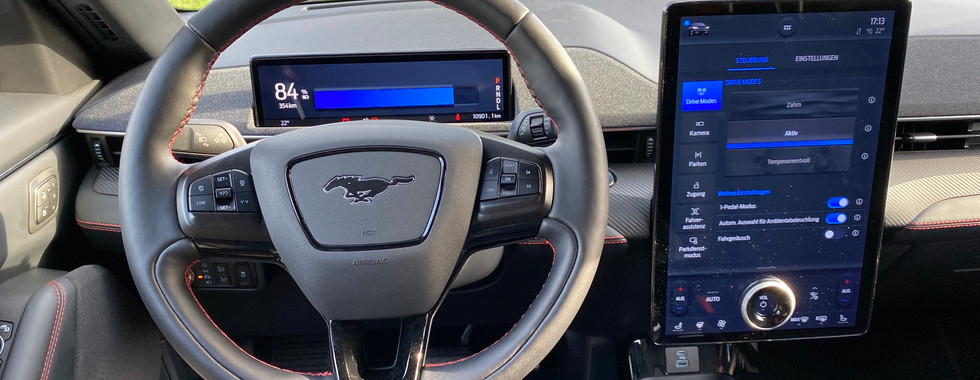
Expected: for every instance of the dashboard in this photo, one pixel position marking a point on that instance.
(616, 47)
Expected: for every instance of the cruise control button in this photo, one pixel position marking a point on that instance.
(247, 202)
(202, 203)
(6, 329)
(508, 166)
(492, 171)
(222, 180)
(202, 186)
(222, 194)
(489, 190)
(528, 170)
(226, 207)
(241, 182)
(528, 186)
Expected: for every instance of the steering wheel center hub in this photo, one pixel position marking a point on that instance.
(359, 212)
(367, 198)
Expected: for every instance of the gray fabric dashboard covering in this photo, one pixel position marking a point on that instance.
(622, 97)
(940, 80)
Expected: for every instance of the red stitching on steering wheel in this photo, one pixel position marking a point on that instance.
(200, 87)
(197, 96)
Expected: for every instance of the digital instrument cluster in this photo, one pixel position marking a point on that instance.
(437, 87)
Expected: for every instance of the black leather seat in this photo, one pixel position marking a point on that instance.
(82, 324)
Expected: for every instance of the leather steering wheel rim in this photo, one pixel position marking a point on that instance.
(159, 253)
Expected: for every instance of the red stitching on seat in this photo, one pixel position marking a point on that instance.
(99, 229)
(188, 278)
(618, 239)
(543, 242)
(59, 313)
(97, 223)
(107, 227)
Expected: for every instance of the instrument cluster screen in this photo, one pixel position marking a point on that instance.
(437, 87)
(781, 127)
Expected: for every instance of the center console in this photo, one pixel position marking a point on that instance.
(777, 121)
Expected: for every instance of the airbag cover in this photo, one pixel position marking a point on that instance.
(367, 198)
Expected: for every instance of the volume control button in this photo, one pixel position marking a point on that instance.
(767, 304)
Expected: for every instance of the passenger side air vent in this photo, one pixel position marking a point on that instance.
(96, 24)
(937, 134)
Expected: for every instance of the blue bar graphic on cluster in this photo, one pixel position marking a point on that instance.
(382, 98)
(701, 96)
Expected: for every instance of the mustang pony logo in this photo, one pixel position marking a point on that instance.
(362, 190)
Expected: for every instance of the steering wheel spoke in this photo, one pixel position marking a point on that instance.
(218, 207)
(515, 193)
(347, 350)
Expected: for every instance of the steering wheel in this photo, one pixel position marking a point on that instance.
(422, 228)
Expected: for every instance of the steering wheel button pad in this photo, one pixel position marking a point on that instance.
(229, 191)
(507, 177)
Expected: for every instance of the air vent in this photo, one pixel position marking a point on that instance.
(632, 145)
(937, 134)
(97, 25)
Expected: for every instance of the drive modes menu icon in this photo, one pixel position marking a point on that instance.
(701, 96)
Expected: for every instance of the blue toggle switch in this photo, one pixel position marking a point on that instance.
(837, 202)
(836, 218)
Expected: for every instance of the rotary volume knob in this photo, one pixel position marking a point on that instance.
(767, 304)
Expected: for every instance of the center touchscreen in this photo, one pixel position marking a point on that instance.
(773, 158)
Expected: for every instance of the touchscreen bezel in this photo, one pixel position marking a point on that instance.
(509, 102)
(665, 152)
